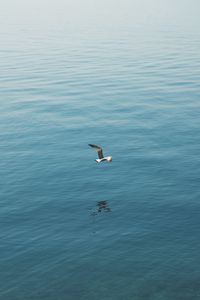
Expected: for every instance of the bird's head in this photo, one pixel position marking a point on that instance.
(109, 158)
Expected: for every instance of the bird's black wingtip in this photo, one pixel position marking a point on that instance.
(95, 146)
(92, 145)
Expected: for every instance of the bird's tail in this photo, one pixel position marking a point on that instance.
(98, 160)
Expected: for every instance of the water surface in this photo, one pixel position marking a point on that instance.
(125, 76)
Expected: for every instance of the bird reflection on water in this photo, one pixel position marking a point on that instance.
(101, 207)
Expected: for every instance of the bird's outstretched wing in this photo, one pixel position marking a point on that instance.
(98, 149)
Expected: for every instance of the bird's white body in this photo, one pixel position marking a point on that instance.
(107, 158)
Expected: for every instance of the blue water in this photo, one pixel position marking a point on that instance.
(125, 76)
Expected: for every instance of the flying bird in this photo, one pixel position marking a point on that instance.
(100, 154)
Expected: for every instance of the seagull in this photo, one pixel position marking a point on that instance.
(100, 154)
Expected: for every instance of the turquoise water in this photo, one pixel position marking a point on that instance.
(125, 76)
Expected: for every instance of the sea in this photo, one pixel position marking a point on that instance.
(124, 75)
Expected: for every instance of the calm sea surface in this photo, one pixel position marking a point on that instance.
(123, 76)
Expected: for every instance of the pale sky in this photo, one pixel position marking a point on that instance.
(110, 9)
(78, 13)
